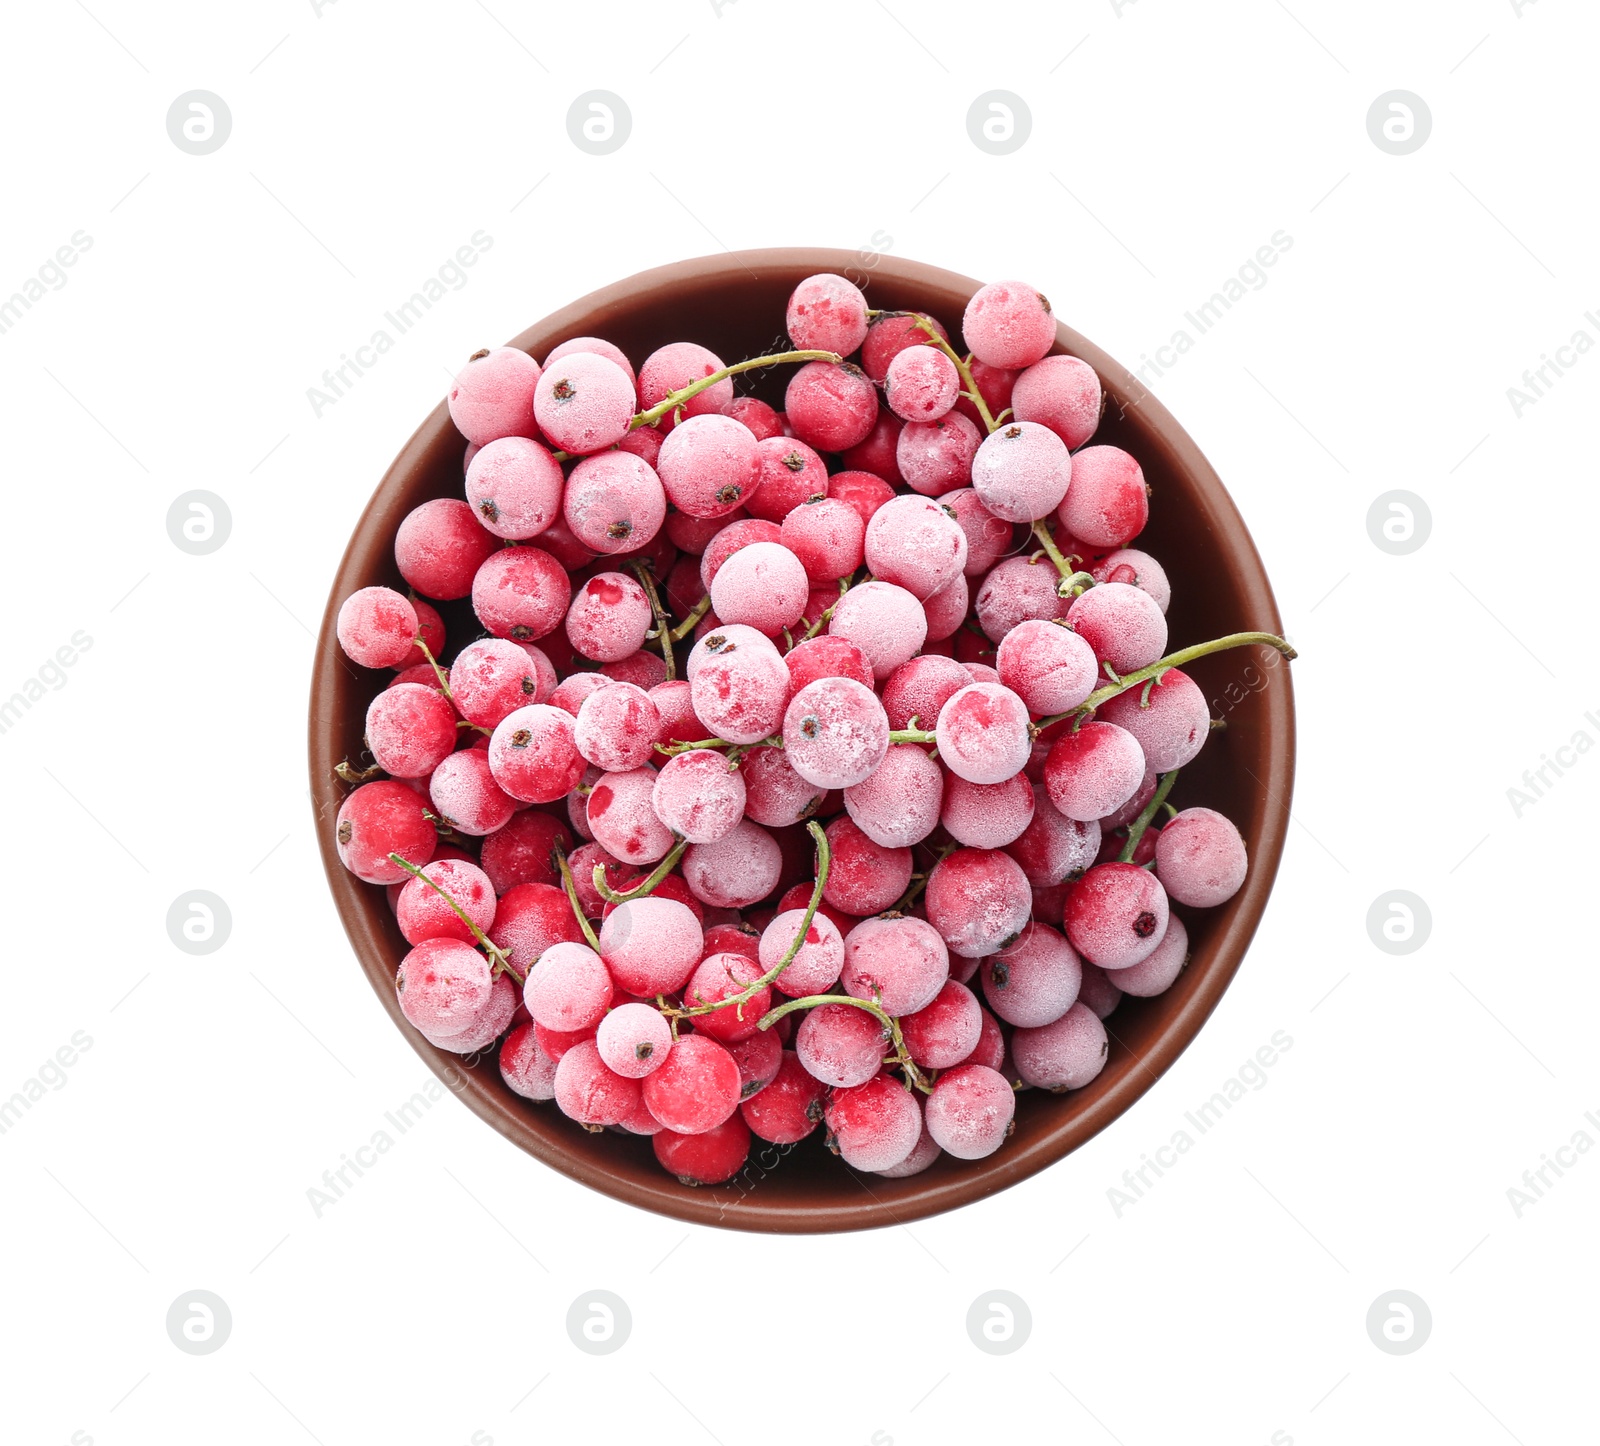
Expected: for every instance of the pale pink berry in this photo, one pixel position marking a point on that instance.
(899, 963)
(623, 820)
(1122, 623)
(1065, 1055)
(617, 727)
(739, 687)
(609, 617)
(633, 1040)
(440, 546)
(969, 1111)
(841, 1045)
(1200, 858)
(466, 795)
(698, 796)
(736, 870)
(874, 1125)
(828, 537)
(1008, 324)
(916, 544)
(920, 688)
(1021, 472)
(1034, 981)
(1159, 972)
(614, 502)
(521, 593)
(936, 457)
(983, 733)
(827, 313)
(492, 678)
(946, 1030)
(527, 1069)
(835, 732)
(671, 368)
(775, 795)
(885, 621)
(987, 815)
(533, 753)
(1171, 722)
(815, 965)
(650, 945)
(1093, 770)
(1116, 915)
(791, 473)
(376, 627)
(921, 384)
(1107, 503)
(1049, 667)
(492, 396)
(1129, 564)
(708, 465)
(443, 986)
(947, 609)
(830, 408)
(763, 586)
(568, 988)
(590, 1093)
(899, 803)
(514, 486)
(979, 901)
(411, 730)
(1015, 590)
(1063, 394)
(863, 877)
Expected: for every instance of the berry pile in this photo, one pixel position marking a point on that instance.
(890, 842)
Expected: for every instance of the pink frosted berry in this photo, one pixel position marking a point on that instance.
(759, 1059)
(983, 733)
(921, 384)
(1107, 503)
(890, 334)
(1200, 858)
(440, 546)
(650, 945)
(1034, 981)
(979, 901)
(521, 593)
(1054, 848)
(614, 502)
(762, 421)
(1065, 1055)
(936, 457)
(916, 544)
(1130, 565)
(527, 1069)
(1061, 393)
(522, 851)
(623, 820)
(671, 368)
(791, 473)
(864, 491)
(835, 732)
(969, 1111)
(709, 1158)
(1008, 324)
(1159, 972)
(946, 1030)
(728, 540)
(633, 1040)
(763, 586)
(443, 986)
(1049, 667)
(514, 486)
(491, 678)
(465, 794)
(775, 795)
(723, 976)
(987, 815)
(696, 1089)
(789, 1108)
(1015, 590)
(738, 685)
(815, 965)
(826, 657)
(874, 1125)
(492, 396)
(1020, 473)
(617, 727)
(376, 627)
(830, 408)
(827, 313)
(609, 617)
(899, 804)
(568, 988)
(598, 346)
(1172, 723)
(486, 1026)
(1116, 915)
(885, 621)
(1094, 770)
(533, 754)
(841, 1045)
(923, 1154)
(411, 730)
(947, 609)
(988, 538)
(709, 465)
(920, 688)
(590, 1093)
(736, 870)
(698, 796)
(827, 536)
(1122, 623)
(423, 913)
(863, 877)
(899, 963)
(379, 819)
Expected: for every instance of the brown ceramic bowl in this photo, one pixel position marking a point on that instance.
(735, 305)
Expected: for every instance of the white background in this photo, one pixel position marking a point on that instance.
(1168, 143)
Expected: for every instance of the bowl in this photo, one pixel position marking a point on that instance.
(734, 303)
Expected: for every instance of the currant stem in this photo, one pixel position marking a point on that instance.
(911, 735)
(1069, 575)
(900, 1057)
(438, 672)
(1161, 665)
(687, 626)
(676, 399)
(827, 613)
(648, 886)
(570, 884)
(647, 581)
(497, 955)
(1139, 825)
(824, 858)
(346, 774)
(972, 393)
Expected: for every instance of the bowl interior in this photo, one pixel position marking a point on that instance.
(735, 305)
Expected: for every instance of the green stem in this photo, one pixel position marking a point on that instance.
(1162, 665)
(642, 571)
(687, 626)
(1139, 825)
(973, 395)
(497, 955)
(346, 774)
(1072, 581)
(827, 613)
(676, 399)
(570, 884)
(647, 886)
(438, 672)
(911, 735)
(901, 1058)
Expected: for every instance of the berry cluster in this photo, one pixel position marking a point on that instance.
(895, 842)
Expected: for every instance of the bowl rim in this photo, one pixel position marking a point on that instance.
(766, 1211)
